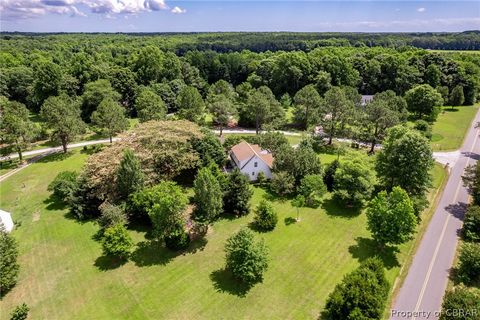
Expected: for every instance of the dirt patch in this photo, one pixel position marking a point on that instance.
(36, 216)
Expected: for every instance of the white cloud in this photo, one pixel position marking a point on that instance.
(18, 9)
(421, 9)
(178, 10)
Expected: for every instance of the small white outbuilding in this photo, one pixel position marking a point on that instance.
(6, 220)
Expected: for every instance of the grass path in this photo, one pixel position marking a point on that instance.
(64, 275)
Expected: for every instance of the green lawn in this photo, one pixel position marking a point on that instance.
(293, 140)
(451, 126)
(64, 276)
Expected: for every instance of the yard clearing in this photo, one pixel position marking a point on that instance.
(63, 274)
(450, 128)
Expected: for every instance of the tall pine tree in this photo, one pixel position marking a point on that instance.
(130, 177)
(238, 194)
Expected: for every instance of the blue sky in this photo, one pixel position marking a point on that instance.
(196, 15)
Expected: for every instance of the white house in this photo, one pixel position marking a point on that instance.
(6, 220)
(251, 160)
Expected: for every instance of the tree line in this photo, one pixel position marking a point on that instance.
(288, 41)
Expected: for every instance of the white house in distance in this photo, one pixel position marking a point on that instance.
(6, 220)
(251, 160)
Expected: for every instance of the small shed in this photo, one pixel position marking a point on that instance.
(6, 220)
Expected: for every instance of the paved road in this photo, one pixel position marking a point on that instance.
(56, 149)
(422, 292)
(41, 153)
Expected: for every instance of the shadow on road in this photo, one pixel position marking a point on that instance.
(457, 210)
(472, 155)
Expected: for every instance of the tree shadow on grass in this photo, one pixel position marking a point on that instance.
(254, 227)
(150, 253)
(59, 156)
(289, 220)
(224, 281)
(333, 208)
(53, 203)
(367, 248)
(105, 263)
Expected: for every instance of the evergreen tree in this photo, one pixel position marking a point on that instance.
(265, 216)
(208, 198)
(190, 105)
(237, 194)
(130, 177)
(20, 312)
(8, 261)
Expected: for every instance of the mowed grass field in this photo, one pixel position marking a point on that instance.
(64, 276)
(451, 126)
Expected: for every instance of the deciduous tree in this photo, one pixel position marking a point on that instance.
(423, 101)
(246, 258)
(312, 188)
(362, 294)
(15, 125)
(95, 92)
(167, 210)
(384, 111)
(354, 182)
(150, 106)
(117, 242)
(110, 117)
(391, 218)
(405, 161)
(457, 97)
(62, 115)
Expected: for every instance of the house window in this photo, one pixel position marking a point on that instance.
(253, 173)
(255, 164)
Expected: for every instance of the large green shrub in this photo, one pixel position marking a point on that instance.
(471, 224)
(265, 216)
(469, 263)
(8, 261)
(246, 258)
(64, 185)
(461, 303)
(362, 294)
(117, 242)
(237, 194)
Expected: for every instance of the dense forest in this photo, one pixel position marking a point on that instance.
(152, 75)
